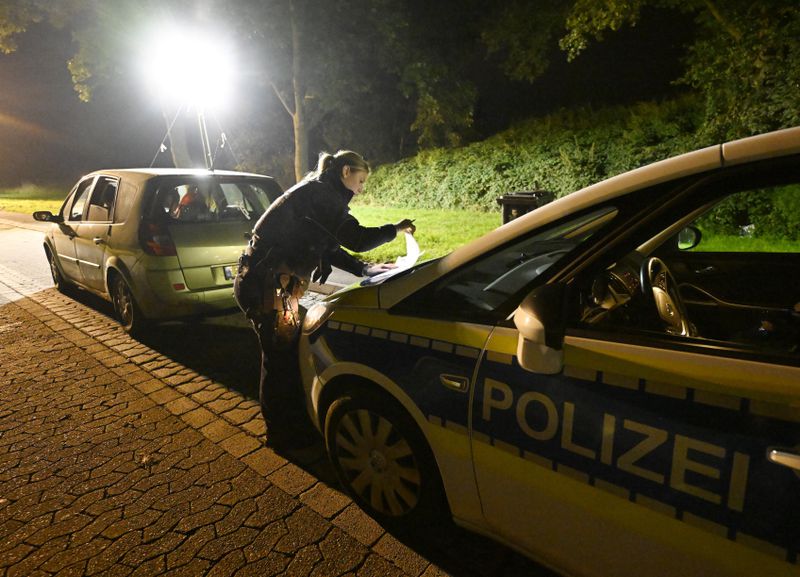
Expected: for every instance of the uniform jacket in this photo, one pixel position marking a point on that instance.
(307, 226)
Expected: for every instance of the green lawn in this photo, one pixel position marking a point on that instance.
(438, 231)
(30, 198)
(723, 243)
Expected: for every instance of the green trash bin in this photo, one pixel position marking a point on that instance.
(516, 204)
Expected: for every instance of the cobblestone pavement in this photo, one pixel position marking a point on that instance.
(116, 459)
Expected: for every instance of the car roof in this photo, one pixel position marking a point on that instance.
(140, 174)
(769, 145)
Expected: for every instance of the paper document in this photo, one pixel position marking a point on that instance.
(412, 253)
(403, 262)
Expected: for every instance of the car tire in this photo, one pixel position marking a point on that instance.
(383, 461)
(127, 310)
(62, 285)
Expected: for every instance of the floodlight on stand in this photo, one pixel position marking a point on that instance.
(189, 66)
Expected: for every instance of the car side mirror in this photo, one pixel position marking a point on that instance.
(689, 237)
(540, 321)
(47, 216)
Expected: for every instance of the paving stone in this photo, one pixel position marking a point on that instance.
(356, 523)
(165, 395)
(240, 444)
(325, 500)
(256, 426)
(405, 558)
(218, 430)
(377, 566)
(181, 405)
(228, 565)
(341, 553)
(292, 479)
(240, 416)
(199, 417)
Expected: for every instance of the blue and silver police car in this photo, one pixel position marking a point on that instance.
(609, 384)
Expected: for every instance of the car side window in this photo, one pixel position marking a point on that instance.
(760, 220)
(101, 203)
(81, 195)
(126, 197)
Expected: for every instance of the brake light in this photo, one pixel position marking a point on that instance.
(156, 240)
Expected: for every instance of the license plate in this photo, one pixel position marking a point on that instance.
(229, 272)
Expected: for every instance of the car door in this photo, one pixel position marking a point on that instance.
(65, 232)
(643, 452)
(92, 233)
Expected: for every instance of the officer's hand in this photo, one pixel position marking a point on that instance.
(406, 225)
(322, 273)
(376, 269)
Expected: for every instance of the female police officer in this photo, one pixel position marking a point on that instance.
(302, 233)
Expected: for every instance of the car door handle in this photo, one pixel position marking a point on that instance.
(785, 457)
(99, 240)
(456, 382)
(705, 270)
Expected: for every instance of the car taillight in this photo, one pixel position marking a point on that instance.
(156, 240)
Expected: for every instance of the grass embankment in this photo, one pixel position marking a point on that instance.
(29, 198)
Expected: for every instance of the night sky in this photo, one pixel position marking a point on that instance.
(48, 136)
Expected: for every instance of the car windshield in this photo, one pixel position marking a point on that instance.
(213, 200)
(485, 285)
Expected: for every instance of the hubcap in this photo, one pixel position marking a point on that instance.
(378, 462)
(123, 302)
(54, 272)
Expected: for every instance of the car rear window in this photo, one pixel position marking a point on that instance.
(192, 200)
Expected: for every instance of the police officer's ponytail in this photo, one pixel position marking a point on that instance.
(336, 162)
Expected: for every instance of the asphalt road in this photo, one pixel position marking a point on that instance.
(147, 457)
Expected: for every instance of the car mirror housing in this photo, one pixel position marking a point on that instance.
(539, 320)
(689, 237)
(47, 216)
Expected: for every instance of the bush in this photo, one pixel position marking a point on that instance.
(771, 213)
(562, 152)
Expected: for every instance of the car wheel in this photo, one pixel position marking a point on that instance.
(125, 307)
(59, 281)
(383, 461)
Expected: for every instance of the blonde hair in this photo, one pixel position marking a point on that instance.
(336, 162)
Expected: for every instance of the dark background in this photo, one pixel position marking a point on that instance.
(49, 137)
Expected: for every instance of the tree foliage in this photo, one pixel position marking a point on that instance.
(744, 61)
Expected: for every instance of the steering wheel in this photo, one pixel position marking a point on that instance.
(657, 279)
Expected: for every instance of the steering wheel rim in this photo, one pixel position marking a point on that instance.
(657, 280)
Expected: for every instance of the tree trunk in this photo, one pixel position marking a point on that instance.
(299, 117)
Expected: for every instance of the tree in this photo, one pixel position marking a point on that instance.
(745, 60)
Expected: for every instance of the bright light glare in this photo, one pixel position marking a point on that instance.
(189, 66)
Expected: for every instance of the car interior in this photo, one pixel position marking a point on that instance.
(682, 283)
(211, 201)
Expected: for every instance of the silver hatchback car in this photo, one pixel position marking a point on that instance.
(159, 244)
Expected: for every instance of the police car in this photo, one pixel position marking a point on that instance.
(596, 383)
